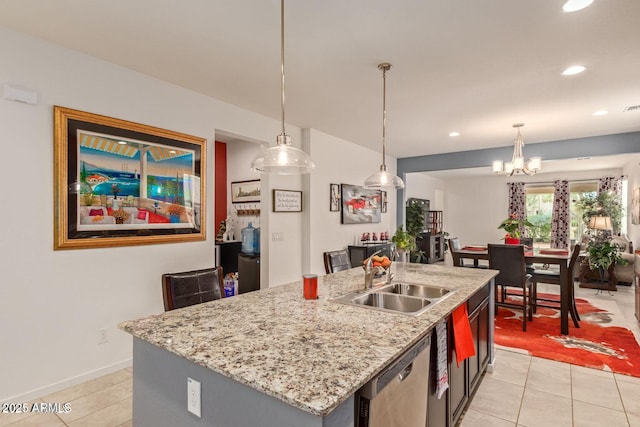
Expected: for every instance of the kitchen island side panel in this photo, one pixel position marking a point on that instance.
(160, 397)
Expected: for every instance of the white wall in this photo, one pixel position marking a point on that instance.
(422, 186)
(52, 303)
(338, 162)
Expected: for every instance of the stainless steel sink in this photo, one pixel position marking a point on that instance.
(403, 298)
(415, 290)
(392, 302)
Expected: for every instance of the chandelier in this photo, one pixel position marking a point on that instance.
(517, 163)
(383, 179)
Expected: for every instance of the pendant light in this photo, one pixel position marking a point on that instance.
(384, 180)
(283, 158)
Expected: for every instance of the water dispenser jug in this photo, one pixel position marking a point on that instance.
(256, 241)
(248, 239)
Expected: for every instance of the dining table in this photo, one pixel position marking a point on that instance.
(559, 257)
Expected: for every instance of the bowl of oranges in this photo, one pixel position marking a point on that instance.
(380, 264)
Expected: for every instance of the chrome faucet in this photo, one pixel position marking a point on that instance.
(368, 271)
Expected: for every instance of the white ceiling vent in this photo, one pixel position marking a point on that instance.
(632, 108)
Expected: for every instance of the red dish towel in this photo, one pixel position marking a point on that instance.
(463, 340)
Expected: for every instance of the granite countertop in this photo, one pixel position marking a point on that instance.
(310, 354)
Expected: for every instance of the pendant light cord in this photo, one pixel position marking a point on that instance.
(384, 117)
(385, 66)
(282, 65)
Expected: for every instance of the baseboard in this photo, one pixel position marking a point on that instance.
(61, 385)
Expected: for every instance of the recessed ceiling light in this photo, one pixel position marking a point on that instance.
(454, 133)
(172, 151)
(122, 143)
(575, 5)
(583, 158)
(600, 113)
(573, 70)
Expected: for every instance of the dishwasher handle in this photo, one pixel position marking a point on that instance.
(401, 368)
(405, 373)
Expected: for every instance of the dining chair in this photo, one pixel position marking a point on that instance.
(458, 261)
(191, 287)
(336, 261)
(553, 277)
(510, 261)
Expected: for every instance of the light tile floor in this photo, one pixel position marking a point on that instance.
(521, 391)
(529, 391)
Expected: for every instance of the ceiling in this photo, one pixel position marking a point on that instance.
(475, 67)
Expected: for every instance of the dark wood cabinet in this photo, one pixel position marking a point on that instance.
(463, 379)
(358, 253)
(432, 246)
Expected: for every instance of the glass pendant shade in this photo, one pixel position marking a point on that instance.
(283, 158)
(382, 180)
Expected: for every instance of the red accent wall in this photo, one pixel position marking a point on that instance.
(220, 187)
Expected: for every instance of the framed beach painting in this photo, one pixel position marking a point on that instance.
(120, 183)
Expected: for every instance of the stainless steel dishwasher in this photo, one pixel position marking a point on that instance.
(398, 396)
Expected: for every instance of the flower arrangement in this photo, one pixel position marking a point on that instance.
(120, 215)
(115, 190)
(512, 226)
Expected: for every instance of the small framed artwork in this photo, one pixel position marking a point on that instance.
(245, 191)
(383, 201)
(119, 183)
(287, 201)
(360, 205)
(334, 197)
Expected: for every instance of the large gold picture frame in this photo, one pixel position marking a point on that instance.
(120, 183)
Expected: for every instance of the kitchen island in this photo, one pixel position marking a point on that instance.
(271, 358)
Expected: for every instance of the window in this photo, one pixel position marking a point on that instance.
(540, 209)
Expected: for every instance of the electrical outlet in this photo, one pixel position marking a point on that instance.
(193, 396)
(102, 336)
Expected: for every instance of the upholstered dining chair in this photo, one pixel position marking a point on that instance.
(191, 287)
(553, 277)
(509, 260)
(336, 261)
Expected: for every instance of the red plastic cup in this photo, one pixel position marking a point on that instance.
(310, 286)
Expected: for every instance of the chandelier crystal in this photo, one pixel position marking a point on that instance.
(517, 164)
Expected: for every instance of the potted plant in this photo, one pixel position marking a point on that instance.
(415, 227)
(404, 242)
(604, 256)
(512, 226)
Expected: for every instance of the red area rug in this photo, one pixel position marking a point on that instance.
(593, 345)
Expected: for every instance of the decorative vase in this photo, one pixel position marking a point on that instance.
(511, 240)
(403, 255)
(119, 220)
